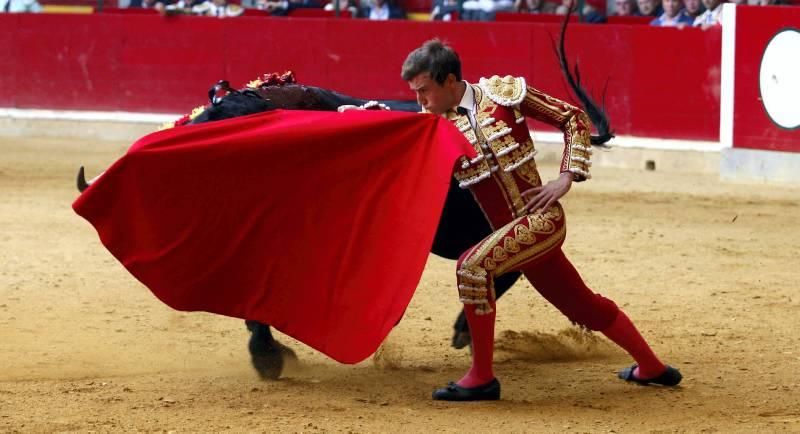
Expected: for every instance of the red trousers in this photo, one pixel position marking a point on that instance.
(530, 243)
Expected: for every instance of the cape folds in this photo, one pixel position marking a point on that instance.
(317, 223)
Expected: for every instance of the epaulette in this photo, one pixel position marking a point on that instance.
(507, 91)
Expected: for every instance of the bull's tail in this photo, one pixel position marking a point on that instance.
(597, 115)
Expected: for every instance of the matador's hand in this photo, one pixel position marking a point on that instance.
(370, 105)
(542, 198)
(344, 108)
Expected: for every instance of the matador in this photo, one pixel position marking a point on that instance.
(529, 223)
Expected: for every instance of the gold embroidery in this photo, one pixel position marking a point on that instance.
(569, 119)
(509, 188)
(501, 148)
(514, 198)
(510, 245)
(545, 246)
(523, 235)
(493, 128)
(547, 108)
(486, 245)
(578, 146)
(483, 114)
(529, 173)
(506, 91)
(499, 254)
(518, 116)
(544, 223)
(502, 251)
(499, 125)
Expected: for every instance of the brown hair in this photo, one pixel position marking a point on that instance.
(435, 58)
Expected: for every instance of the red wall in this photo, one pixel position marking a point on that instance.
(660, 82)
(752, 126)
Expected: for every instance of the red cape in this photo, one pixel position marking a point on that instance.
(317, 223)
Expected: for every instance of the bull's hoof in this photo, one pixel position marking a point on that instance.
(269, 359)
(461, 339)
(269, 365)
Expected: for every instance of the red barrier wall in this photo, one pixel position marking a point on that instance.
(752, 126)
(660, 82)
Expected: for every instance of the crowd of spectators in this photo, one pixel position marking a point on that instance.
(370, 9)
(681, 13)
(677, 13)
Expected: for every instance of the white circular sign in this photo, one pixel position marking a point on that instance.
(779, 78)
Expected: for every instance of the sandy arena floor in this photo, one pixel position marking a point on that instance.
(708, 271)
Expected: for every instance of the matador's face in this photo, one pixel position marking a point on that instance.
(432, 96)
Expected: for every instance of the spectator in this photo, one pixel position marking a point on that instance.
(183, 7)
(693, 8)
(18, 6)
(444, 10)
(159, 5)
(217, 8)
(625, 8)
(344, 5)
(383, 10)
(284, 7)
(483, 10)
(534, 7)
(651, 8)
(674, 15)
(711, 17)
(589, 13)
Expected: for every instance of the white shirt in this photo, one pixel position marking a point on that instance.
(379, 13)
(468, 102)
(712, 17)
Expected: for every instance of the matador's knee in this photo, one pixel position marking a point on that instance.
(475, 286)
(597, 313)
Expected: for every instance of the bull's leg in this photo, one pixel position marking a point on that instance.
(267, 355)
(461, 335)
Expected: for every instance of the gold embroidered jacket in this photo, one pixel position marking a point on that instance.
(502, 105)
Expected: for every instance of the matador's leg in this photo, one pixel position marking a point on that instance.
(461, 335)
(558, 281)
(524, 240)
(462, 226)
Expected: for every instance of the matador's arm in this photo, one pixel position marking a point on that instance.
(572, 121)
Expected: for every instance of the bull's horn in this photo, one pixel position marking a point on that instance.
(82, 184)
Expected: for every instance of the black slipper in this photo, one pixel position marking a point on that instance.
(453, 392)
(670, 376)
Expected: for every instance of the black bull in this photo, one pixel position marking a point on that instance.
(462, 223)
